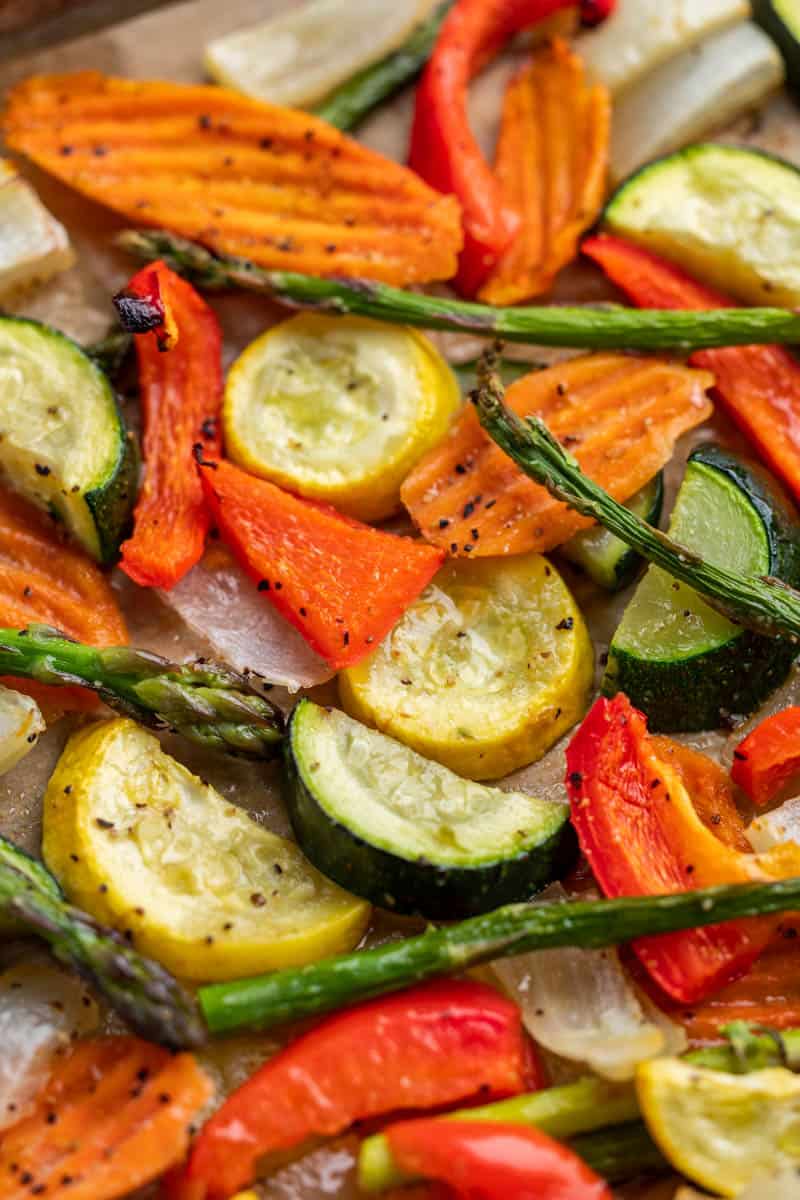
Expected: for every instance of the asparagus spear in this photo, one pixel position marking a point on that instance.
(590, 1106)
(610, 326)
(111, 351)
(140, 990)
(762, 603)
(269, 1000)
(206, 703)
(349, 104)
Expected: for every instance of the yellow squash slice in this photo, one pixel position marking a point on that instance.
(721, 1130)
(484, 673)
(338, 409)
(142, 844)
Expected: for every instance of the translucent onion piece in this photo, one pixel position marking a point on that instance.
(41, 1010)
(20, 726)
(219, 603)
(33, 245)
(773, 828)
(581, 1005)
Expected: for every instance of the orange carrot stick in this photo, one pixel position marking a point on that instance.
(45, 580)
(552, 158)
(271, 184)
(620, 415)
(181, 394)
(114, 1115)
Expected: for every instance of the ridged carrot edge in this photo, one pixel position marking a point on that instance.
(551, 162)
(274, 185)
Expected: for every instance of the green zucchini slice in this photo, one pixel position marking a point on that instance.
(63, 441)
(604, 558)
(686, 666)
(407, 833)
(729, 215)
(781, 20)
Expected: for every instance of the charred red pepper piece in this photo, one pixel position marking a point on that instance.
(443, 148)
(430, 1046)
(759, 386)
(641, 834)
(488, 1161)
(342, 584)
(181, 394)
(769, 756)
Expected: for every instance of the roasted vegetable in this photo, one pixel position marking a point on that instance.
(338, 409)
(484, 672)
(781, 20)
(769, 756)
(552, 325)
(551, 163)
(20, 725)
(34, 246)
(141, 991)
(408, 834)
(147, 847)
(604, 558)
(114, 1115)
(621, 416)
(244, 176)
(180, 390)
(65, 446)
(289, 995)
(344, 585)
(423, 1048)
(206, 703)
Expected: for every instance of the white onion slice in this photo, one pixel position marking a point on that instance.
(219, 603)
(776, 827)
(20, 726)
(34, 246)
(581, 1005)
(41, 1010)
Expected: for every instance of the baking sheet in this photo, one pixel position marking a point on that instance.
(169, 43)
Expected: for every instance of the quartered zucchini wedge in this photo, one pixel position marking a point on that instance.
(147, 847)
(604, 558)
(781, 19)
(728, 215)
(63, 441)
(338, 409)
(720, 1130)
(408, 834)
(676, 658)
(484, 672)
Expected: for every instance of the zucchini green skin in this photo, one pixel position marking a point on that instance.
(110, 504)
(702, 691)
(605, 558)
(781, 20)
(400, 881)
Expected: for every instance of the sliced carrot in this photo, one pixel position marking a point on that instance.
(342, 584)
(45, 580)
(114, 1115)
(620, 415)
(552, 160)
(181, 395)
(759, 386)
(274, 185)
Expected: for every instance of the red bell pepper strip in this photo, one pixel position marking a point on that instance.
(759, 386)
(430, 1046)
(641, 834)
(342, 584)
(181, 394)
(443, 148)
(486, 1161)
(769, 756)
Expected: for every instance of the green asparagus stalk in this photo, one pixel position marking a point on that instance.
(591, 1105)
(140, 990)
(349, 104)
(609, 326)
(111, 351)
(268, 1000)
(208, 704)
(762, 603)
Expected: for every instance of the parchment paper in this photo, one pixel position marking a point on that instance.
(169, 43)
